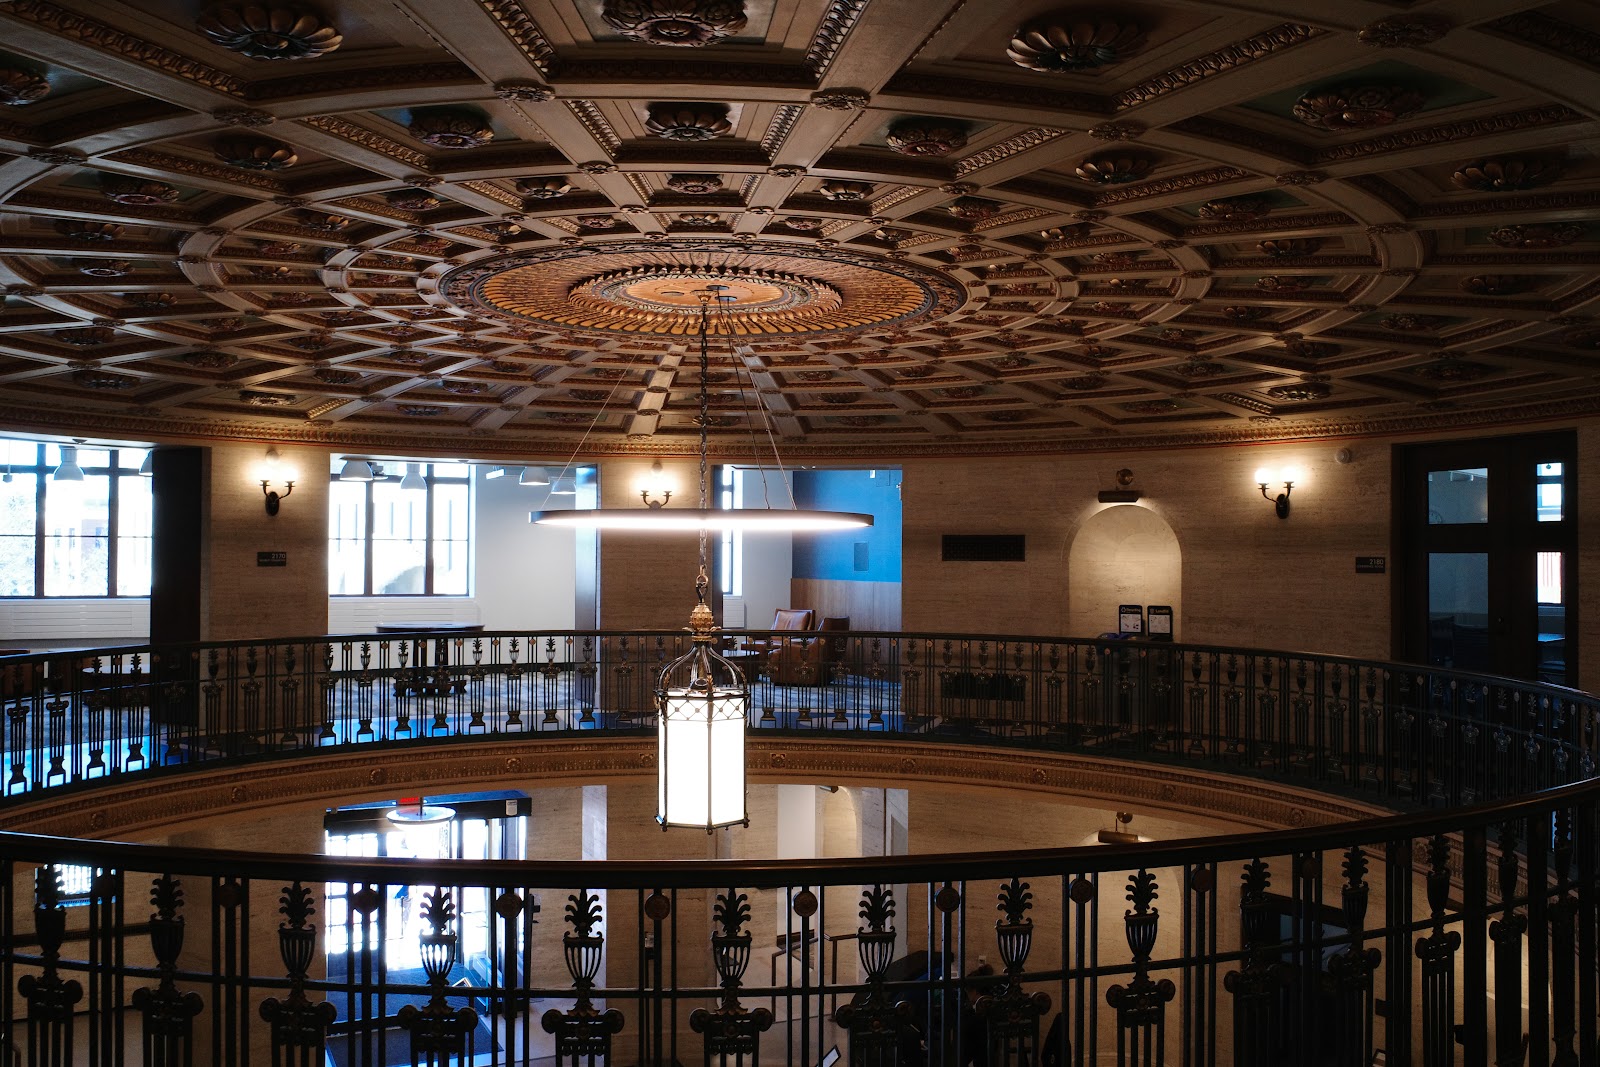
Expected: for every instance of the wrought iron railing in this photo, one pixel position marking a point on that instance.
(1406, 736)
(1447, 930)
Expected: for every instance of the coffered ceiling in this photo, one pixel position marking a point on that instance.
(944, 225)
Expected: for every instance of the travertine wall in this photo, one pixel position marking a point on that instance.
(239, 599)
(1248, 577)
(647, 580)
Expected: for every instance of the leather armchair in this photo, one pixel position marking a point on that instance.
(810, 660)
(783, 619)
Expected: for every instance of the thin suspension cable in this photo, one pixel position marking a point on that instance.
(589, 429)
(765, 416)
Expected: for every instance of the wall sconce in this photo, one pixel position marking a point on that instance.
(272, 472)
(1121, 835)
(1280, 503)
(656, 485)
(1123, 493)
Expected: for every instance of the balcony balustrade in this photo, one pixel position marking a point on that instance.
(1464, 926)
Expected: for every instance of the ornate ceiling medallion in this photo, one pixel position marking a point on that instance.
(103, 379)
(105, 268)
(150, 301)
(974, 208)
(840, 189)
(1283, 247)
(1282, 284)
(1055, 44)
(1538, 235)
(210, 359)
(1357, 107)
(1300, 391)
(545, 188)
(453, 128)
(675, 23)
(320, 222)
(19, 87)
(87, 337)
(1115, 169)
(688, 122)
(926, 137)
(263, 31)
(841, 99)
(136, 192)
(695, 184)
(265, 400)
(84, 230)
(1235, 209)
(699, 218)
(1497, 284)
(643, 288)
(1506, 174)
(254, 153)
(412, 199)
(1451, 369)
(1404, 31)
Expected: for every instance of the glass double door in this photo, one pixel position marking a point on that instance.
(1489, 530)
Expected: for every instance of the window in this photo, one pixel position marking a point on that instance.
(385, 539)
(73, 538)
(730, 496)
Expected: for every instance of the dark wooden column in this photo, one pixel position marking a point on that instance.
(176, 580)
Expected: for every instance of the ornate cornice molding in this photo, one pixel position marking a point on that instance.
(1035, 98)
(778, 130)
(296, 430)
(201, 168)
(522, 31)
(346, 81)
(1450, 132)
(836, 23)
(1178, 183)
(1548, 34)
(1022, 142)
(365, 138)
(106, 38)
(592, 120)
(1234, 56)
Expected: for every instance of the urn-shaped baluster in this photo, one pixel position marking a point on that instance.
(584, 947)
(730, 945)
(1014, 931)
(875, 941)
(438, 944)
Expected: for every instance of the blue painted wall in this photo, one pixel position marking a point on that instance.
(833, 555)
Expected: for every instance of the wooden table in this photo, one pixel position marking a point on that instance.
(420, 680)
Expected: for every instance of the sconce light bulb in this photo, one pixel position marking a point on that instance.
(1263, 475)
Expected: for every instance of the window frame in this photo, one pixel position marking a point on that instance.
(114, 470)
(369, 525)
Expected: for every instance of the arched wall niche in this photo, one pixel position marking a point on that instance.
(1123, 554)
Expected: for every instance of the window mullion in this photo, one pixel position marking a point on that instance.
(427, 532)
(366, 542)
(114, 476)
(39, 531)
